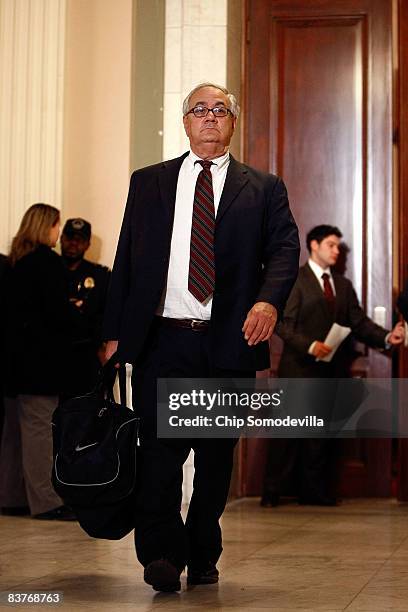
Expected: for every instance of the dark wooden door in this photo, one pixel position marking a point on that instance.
(318, 112)
(401, 145)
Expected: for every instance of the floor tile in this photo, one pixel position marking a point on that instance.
(353, 557)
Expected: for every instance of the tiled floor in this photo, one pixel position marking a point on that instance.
(354, 558)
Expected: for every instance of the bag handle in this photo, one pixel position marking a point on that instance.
(122, 384)
(107, 378)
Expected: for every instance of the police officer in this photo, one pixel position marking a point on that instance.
(88, 284)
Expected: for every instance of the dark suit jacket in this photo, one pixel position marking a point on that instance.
(40, 320)
(256, 259)
(308, 318)
(3, 321)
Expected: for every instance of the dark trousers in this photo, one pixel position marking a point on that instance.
(82, 370)
(309, 463)
(309, 460)
(173, 352)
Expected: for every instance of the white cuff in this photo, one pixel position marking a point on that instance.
(311, 347)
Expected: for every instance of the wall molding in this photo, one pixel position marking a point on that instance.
(32, 38)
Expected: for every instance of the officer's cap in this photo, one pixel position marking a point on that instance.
(77, 226)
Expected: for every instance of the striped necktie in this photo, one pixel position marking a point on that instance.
(201, 272)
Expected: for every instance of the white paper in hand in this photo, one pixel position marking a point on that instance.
(334, 338)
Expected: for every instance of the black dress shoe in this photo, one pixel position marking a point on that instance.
(317, 500)
(15, 511)
(62, 513)
(269, 500)
(163, 576)
(203, 574)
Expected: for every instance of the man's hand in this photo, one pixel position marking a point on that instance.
(100, 353)
(260, 323)
(110, 348)
(321, 349)
(397, 335)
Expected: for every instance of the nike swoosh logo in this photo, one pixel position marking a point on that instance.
(79, 448)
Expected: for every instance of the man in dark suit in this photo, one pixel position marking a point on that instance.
(319, 298)
(207, 255)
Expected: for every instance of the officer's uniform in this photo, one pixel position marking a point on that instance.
(88, 285)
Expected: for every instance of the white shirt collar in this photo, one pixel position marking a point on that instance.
(318, 270)
(218, 162)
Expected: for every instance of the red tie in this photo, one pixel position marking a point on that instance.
(328, 291)
(201, 273)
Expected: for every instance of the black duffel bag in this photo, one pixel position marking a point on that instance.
(95, 448)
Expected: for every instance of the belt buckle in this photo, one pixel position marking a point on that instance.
(196, 324)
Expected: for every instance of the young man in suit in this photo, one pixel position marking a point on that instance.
(319, 298)
(207, 255)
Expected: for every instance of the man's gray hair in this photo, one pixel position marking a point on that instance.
(234, 106)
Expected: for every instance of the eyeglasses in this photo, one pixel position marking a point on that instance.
(202, 111)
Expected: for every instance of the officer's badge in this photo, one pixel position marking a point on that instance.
(89, 282)
(77, 224)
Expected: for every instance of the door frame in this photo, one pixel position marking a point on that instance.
(401, 235)
(381, 454)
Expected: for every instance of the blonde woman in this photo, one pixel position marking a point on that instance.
(39, 320)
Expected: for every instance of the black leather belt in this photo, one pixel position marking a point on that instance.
(194, 324)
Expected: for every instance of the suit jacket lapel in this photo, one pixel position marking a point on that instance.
(339, 287)
(237, 177)
(234, 182)
(168, 177)
(315, 289)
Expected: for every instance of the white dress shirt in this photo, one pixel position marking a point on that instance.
(318, 271)
(177, 302)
